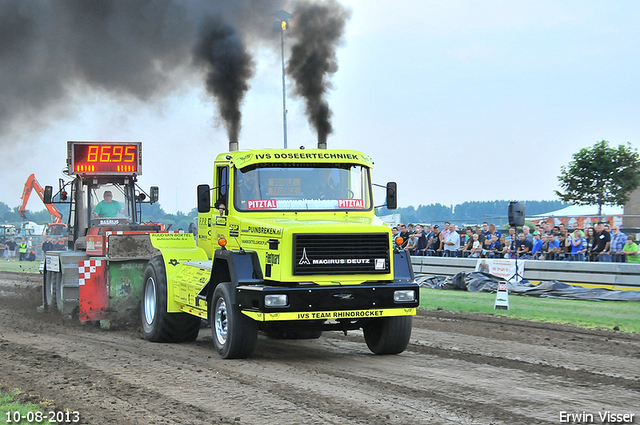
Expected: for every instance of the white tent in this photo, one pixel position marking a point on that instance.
(581, 215)
(582, 210)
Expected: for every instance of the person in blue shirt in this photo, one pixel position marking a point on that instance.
(578, 246)
(537, 242)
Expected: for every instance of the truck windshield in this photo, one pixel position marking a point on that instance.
(295, 188)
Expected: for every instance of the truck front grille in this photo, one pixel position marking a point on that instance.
(343, 253)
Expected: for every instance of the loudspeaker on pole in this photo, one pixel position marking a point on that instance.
(516, 214)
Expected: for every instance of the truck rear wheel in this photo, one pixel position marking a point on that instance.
(157, 324)
(234, 334)
(49, 291)
(389, 335)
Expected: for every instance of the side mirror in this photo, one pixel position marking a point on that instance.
(204, 198)
(153, 194)
(392, 195)
(48, 192)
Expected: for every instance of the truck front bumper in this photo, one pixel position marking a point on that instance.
(330, 302)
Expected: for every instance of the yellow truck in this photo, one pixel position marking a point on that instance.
(287, 244)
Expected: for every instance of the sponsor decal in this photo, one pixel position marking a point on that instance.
(380, 263)
(350, 203)
(244, 157)
(264, 230)
(327, 315)
(261, 204)
(272, 258)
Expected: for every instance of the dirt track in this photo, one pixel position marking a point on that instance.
(458, 369)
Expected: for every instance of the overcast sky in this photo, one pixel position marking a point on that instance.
(455, 100)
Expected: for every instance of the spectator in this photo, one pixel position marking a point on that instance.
(603, 243)
(410, 229)
(561, 251)
(523, 247)
(433, 245)
(469, 233)
(542, 253)
(47, 245)
(548, 228)
(12, 245)
(475, 247)
(590, 236)
(493, 231)
(507, 247)
(411, 244)
(22, 250)
(421, 240)
(394, 235)
(444, 233)
(630, 250)
(537, 243)
(5, 250)
(480, 234)
(452, 242)
(578, 246)
(485, 230)
(404, 234)
(618, 241)
(494, 246)
(513, 236)
(554, 244)
(527, 233)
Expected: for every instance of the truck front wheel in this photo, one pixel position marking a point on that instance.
(389, 335)
(234, 334)
(157, 324)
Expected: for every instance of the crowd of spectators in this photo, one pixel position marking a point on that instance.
(602, 242)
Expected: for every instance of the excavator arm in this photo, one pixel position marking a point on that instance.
(32, 184)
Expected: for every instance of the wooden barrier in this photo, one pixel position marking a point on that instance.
(619, 276)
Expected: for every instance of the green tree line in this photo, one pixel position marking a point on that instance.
(150, 212)
(469, 212)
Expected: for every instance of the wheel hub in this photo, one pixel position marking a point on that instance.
(220, 321)
(150, 301)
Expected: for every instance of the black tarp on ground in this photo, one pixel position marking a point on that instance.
(484, 282)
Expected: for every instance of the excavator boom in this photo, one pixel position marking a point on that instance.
(32, 184)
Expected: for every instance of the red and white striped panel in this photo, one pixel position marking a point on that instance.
(86, 268)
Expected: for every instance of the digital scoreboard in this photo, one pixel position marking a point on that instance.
(104, 158)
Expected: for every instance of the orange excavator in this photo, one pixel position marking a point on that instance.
(56, 227)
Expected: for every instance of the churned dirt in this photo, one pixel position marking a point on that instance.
(458, 369)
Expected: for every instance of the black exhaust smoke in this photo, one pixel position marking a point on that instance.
(229, 66)
(53, 53)
(319, 30)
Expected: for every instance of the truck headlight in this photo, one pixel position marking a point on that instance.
(276, 300)
(404, 296)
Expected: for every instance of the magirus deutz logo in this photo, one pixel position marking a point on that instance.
(379, 263)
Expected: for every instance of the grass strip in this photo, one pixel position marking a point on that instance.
(10, 409)
(19, 266)
(585, 314)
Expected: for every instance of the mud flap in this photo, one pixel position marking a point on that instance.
(94, 298)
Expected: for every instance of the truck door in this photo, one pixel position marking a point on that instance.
(220, 216)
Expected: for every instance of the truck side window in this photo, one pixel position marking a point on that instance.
(222, 187)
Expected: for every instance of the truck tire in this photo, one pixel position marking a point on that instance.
(389, 335)
(157, 324)
(234, 334)
(49, 291)
(59, 298)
